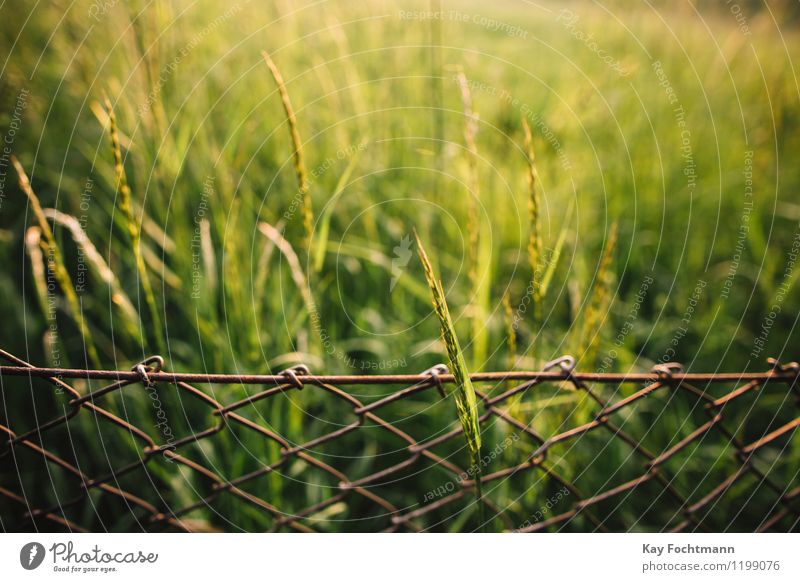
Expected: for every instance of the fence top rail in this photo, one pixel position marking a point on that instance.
(780, 374)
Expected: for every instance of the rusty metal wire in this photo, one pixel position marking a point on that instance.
(52, 480)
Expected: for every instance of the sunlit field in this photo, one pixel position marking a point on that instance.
(236, 187)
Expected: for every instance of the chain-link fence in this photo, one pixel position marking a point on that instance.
(563, 451)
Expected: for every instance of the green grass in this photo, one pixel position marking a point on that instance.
(205, 201)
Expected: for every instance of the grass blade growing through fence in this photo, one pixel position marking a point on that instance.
(464, 394)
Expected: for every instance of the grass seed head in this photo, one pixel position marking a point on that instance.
(535, 235)
(55, 261)
(466, 401)
(299, 163)
(134, 229)
(600, 297)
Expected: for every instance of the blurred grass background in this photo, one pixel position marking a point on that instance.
(653, 117)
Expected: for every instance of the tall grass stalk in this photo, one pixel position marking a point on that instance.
(478, 251)
(511, 356)
(470, 130)
(295, 414)
(56, 263)
(299, 163)
(557, 250)
(511, 332)
(209, 257)
(299, 278)
(599, 299)
(437, 92)
(351, 74)
(327, 213)
(134, 229)
(262, 271)
(535, 235)
(34, 246)
(130, 316)
(464, 394)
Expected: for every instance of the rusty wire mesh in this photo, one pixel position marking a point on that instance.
(47, 483)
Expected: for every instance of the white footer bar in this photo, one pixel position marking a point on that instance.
(406, 557)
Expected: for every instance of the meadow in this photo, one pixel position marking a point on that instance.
(662, 224)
